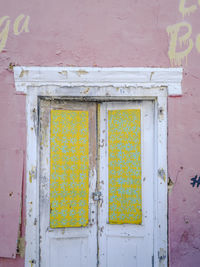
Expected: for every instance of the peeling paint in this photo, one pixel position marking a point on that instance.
(21, 247)
(23, 72)
(86, 91)
(32, 174)
(161, 113)
(29, 212)
(81, 72)
(170, 184)
(162, 255)
(35, 221)
(32, 262)
(152, 73)
(102, 143)
(11, 66)
(34, 119)
(44, 121)
(64, 73)
(161, 174)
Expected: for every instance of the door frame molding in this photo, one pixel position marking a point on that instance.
(103, 84)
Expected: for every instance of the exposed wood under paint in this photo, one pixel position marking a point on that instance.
(87, 76)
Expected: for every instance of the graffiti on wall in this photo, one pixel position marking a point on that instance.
(195, 181)
(181, 43)
(20, 25)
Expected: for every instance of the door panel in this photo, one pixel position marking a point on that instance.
(127, 135)
(68, 223)
(85, 150)
(69, 188)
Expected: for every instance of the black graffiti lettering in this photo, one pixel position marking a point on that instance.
(195, 181)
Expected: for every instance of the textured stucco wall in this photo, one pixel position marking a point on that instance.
(107, 33)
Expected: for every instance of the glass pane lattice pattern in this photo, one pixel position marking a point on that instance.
(124, 166)
(69, 187)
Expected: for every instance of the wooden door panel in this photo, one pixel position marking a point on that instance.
(127, 132)
(68, 214)
(77, 229)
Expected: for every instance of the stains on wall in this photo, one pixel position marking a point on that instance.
(170, 184)
(21, 246)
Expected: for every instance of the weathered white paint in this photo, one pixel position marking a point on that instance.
(86, 76)
(75, 246)
(126, 244)
(37, 81)
(32, 185)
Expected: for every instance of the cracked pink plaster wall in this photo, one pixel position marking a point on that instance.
(108, 33)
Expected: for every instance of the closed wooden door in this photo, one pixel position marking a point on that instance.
(96, 183)
(126, 181)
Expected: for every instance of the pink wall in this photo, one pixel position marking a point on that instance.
(107, 33)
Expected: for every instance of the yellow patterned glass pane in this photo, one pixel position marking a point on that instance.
(124, 166)
(69, 168)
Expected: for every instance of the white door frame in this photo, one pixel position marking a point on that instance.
(98, 84)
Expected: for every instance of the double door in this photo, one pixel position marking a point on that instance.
(96, 183)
